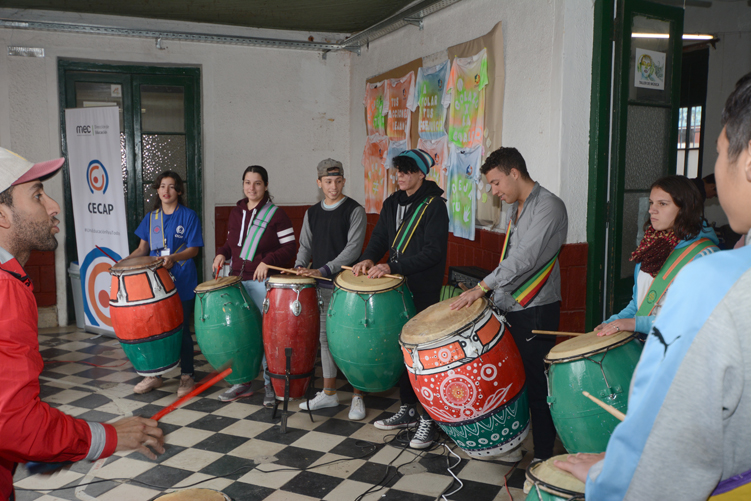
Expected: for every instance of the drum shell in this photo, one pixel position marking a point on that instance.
(228, 329)
(363, 334)
(283, 329)
(472, 383)
(582, 425)
(147, 316)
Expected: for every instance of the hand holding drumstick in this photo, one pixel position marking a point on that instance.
(373, 270)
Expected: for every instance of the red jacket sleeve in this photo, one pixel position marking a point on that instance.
(29, 428)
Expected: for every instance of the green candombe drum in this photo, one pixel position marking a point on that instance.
(228, 328)
(603, 366)
(546, 482)
(363, 324)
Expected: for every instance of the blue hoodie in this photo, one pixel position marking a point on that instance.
(644, 324)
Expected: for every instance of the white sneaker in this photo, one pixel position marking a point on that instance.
(510, 457)
(321, 401)
(357, 410)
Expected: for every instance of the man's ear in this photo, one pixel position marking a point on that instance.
(745, 159)
(6, 217)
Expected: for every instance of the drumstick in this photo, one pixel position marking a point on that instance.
(195, 391)
(102, 251)
(612, 410)
(294, 272)
(398, 277)
(463, 287)
(557, 333)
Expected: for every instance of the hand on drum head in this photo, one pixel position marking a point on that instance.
(379, 271)
(218, 263)
(141, 434)
(362, 267)
(579, 464)
(307, 272)
(622, 324)
(466, 298)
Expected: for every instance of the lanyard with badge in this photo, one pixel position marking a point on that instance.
(157, 240)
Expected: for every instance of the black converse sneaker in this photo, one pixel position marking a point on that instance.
(406, 417)
(425, 435)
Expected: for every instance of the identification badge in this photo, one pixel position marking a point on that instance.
(165, 252)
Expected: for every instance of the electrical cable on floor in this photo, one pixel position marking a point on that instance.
(449, 468)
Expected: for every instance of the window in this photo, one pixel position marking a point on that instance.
(689, 141)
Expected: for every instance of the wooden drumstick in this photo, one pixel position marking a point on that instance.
(463, 287)
(398, 277)
(612, 410)
(294, 272)
(212, 379)
(558, 333)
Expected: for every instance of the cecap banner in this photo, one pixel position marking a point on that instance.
(96, 187)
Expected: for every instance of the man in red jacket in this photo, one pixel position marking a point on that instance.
(31, 430)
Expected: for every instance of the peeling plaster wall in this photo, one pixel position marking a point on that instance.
(548, 61)
(283, 109)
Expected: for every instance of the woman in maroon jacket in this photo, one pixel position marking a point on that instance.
(259, 234)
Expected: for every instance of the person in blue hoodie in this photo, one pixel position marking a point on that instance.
(674, 235)
(686, 433)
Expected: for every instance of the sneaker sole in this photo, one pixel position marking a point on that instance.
(243, 395)
(316, 407)
(420, 445)
(387, 427)
(142, 392)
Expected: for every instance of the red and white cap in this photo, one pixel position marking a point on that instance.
(14, 169)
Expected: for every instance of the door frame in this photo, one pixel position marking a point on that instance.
(608, 105)
(124, 74)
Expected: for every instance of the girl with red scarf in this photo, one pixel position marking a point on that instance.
(674, 235)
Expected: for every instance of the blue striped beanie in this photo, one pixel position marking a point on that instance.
(423, 160)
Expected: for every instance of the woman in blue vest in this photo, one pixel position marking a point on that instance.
(173, 232)
(674, 234)
(271, 242)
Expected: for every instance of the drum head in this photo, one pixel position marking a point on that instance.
(349, 282)
(552, 479)
(439, 321)
(219, 283)
(137, 263)
(195, 495)
(587, 344)
(291, 280)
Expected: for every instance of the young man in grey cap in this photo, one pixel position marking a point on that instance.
(332, 235)
(31, 430)
(417, 209)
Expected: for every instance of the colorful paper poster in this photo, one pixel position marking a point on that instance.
(375, 107)
(398, 108)
(395, 147)
(429, 94)
(466, 98)
(649, 71)
(374, 160)
(96, 188)
(464, 173)
(439, 150)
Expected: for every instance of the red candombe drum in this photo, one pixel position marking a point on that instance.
(291, 319)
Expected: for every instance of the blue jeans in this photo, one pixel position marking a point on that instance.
(186, 349)
(257, 292)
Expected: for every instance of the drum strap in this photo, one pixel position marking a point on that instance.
(404, 235)
(156, 230)
(256, 228)
(527, 291)
(675, 261)
(733, 489)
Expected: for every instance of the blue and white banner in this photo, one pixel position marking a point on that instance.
(96, 188)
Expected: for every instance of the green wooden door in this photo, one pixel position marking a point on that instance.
(646, 96)
(159, 130)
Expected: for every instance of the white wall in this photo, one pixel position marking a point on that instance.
(548, 53)
(283, 109)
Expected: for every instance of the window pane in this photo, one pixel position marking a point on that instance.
(682, 123)
(162, 108)
(692, 169)
(679, 165)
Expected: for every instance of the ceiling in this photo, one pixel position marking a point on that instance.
(335, 16)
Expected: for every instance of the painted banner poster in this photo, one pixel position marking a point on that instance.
(649, 70)
(374, 162)
(439, 150)
(395, 147)
(429, 94)
(398, 108)
(466, 98)
(375, 107)
(464, 171)
(96, 188)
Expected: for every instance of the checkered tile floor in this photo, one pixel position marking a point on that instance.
(237, 448)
